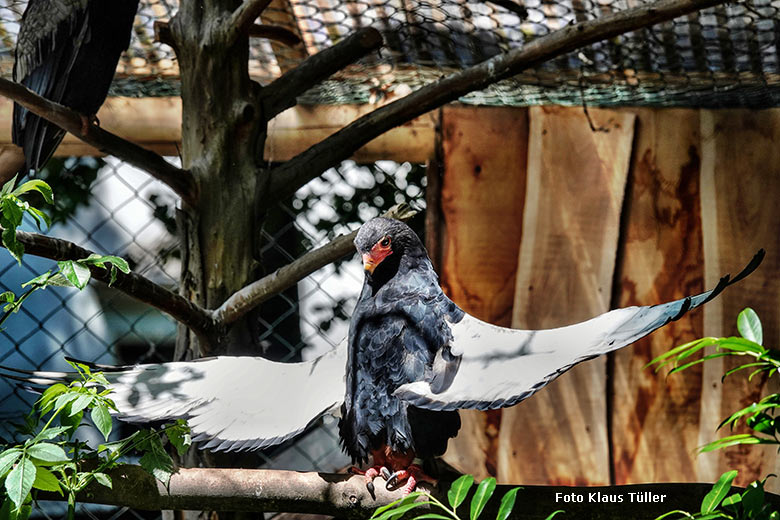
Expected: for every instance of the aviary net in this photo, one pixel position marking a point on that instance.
(727, 56)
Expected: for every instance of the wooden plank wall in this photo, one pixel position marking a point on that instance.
(700, 198)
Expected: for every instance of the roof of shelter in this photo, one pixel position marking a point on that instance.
(724, 56)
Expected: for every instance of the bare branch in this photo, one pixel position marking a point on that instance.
(179, 180)
(162, 33)
(249, 297)
(345, 496)
(244, 17)
(274, 32)
(280, 94)
(134, 285)
(310, 163)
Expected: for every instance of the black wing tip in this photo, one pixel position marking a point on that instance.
(744, 273)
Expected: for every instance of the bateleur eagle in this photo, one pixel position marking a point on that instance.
(412, 359)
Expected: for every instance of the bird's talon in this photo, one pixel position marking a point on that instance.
(370, 488)
(386, 473)
(396, 477)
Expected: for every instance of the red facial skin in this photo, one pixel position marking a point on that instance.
(378, 253)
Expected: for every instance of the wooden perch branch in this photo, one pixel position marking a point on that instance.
(310, 163)
(249, 297)
(134, 285)
(179, 180)
(345, 496)
(162, 33)
(281, 93)
(244, 17)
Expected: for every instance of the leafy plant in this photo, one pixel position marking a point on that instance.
(759, 417)
(50, 460)
(13, 208)
(457, 494)
(719, 504)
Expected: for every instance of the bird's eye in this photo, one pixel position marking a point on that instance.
(385, 242)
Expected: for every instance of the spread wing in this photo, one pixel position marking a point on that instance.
(500, 367)
(230, 403)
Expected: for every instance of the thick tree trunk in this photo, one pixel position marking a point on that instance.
(222, 141)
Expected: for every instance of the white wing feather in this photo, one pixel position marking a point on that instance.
(500, 367)
(233, 403)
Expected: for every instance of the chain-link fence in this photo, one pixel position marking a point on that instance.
(131, 215)
(723, 56)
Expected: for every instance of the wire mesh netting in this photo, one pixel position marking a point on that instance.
(723, 56)
(111, 208)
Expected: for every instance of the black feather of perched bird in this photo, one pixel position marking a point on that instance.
(67, 52)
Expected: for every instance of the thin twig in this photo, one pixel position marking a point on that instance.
(281, 93)
(181, 181)
(249, 297)
(134, 285)
(244, 17)
(309, 164)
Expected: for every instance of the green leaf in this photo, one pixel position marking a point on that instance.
(36, 185)
(180, 436)
(675, 512)
(80, 403)
(47, 452)
(553, 514)
(762, 423)
(102, 419)
(9, 241)
(12, 212)
(732, 501)
(76, 273)
(49, 395)
(411, 497)
(104, 480)
(40, 217)
(735, 440)
(46, 481)
(71, 422)
(159, 464)
(459, 490)
(507, 504)
(7, 459)
(433, 516)
(100, 261)
(718, 492)
(19, 481)
(749, 326)
(8, 187)
(50, 433)
(753, 499)
(399, 511)
(481, 497)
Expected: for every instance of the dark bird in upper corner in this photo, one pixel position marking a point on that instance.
(67, 52)
(412, 359)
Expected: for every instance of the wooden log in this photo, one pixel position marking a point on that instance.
(740, 187)
(571, 222)
(482, 200)
(661, 259)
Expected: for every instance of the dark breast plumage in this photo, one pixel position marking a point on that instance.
(66, 51)
(398, 328)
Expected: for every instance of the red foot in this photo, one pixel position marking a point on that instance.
(412, 475)
(370, 474)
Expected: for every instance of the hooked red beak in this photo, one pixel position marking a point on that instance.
(374, 258)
